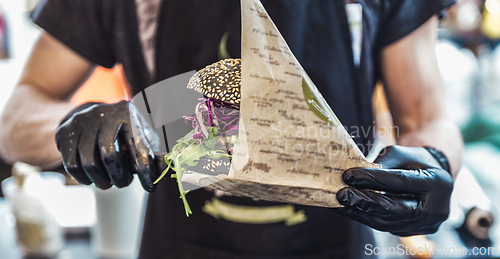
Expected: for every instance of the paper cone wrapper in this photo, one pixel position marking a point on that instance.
(291, 147)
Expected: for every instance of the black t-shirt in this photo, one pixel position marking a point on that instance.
(156, 40)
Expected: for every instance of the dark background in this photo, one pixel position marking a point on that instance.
(4, 172)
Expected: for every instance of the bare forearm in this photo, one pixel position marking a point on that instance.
(28, 126)
(441, 134)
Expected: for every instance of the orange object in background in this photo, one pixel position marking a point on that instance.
(103, 85)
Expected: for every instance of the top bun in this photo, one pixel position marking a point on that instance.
(221, 80)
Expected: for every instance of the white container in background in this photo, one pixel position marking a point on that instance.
(31, 198)
(118, 230)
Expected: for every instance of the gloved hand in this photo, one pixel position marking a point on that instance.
(106, 143)
(409, 196)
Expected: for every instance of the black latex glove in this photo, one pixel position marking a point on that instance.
(106, 143)
(409, 196)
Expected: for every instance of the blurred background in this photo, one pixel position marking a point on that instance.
(469, 59)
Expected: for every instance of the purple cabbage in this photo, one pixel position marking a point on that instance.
(214, 113)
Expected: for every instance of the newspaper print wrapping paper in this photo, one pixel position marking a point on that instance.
(291, 147)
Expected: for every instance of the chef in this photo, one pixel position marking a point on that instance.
(159, 39)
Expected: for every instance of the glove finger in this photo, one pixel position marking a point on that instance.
(397, 222)
(91, 161)
(116, 163)
(380, 206)
(70, 155)
(142, 155)
(390, 180)
(396, 157)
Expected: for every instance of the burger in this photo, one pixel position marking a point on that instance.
(207, 149)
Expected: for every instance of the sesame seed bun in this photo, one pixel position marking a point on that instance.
(220, 80)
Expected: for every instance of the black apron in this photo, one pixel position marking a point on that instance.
(189, 34)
